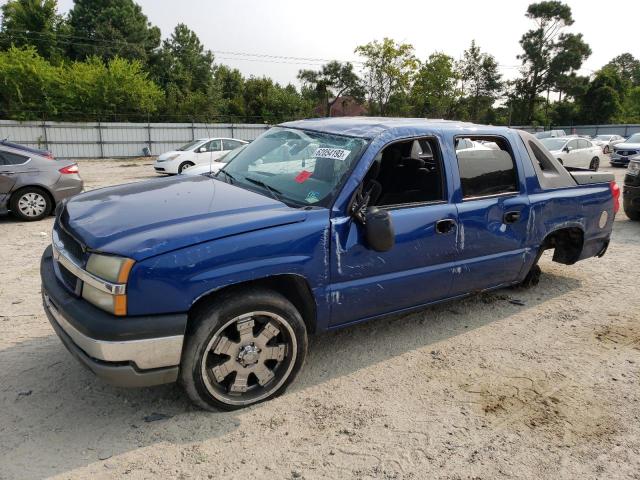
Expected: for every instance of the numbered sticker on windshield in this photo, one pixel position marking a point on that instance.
(333, 153)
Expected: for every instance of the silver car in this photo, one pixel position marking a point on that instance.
(31, 185)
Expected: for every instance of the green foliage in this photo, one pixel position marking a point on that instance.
(35, 23)
(32, 88)
(434, 92)
(111, 28)
(333, 81)
(389, 67)
(481, 82)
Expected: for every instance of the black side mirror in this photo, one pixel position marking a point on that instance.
(379, 230)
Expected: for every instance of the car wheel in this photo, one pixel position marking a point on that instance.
(595, 164)
(632, 214)
(242, 349)
(30, 204)
(184, 165)
(606, 149)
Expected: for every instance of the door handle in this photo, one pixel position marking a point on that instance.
(511, 217)
(445, 226)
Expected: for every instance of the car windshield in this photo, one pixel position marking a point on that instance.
(189, 146)
(296, 166)
(227, 157)
(553, 143)
(635, 138)
(603, 137)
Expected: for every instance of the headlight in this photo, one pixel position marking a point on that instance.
(172, 157)
(114, 270)
(634, 167)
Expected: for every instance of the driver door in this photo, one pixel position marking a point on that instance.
(417, 269)
(208, 152)
(573, 157)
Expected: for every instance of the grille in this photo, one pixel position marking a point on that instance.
(68, 278)
(70, 243)
(626, 153)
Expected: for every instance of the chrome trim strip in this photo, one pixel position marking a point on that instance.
(146, 354)
(62, 256)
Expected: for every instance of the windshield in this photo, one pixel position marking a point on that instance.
(295, 166)
(227, 157)
(635, 138)
(189, 146)
(553, 143)
(603, 137)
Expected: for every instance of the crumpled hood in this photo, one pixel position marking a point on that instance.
(140, 220)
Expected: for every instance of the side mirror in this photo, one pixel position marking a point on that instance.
(567, 149)
(379, 231)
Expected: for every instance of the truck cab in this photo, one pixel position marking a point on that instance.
(217, 280)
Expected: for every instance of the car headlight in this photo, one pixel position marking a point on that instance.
(172, 157)
(114, 270)
(634, 167)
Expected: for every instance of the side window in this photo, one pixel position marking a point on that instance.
(213, 146)
(582, 143)
(8, 158)
(572, 145)
(406, 173)
(230, 144)
(487, 171)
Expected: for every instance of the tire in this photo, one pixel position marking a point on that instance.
(595, 164)
(184, 165)
(234, 334)
(632, 214)
(533, 277)
(31, 204)
(606, 149)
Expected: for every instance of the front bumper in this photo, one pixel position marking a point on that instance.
(124, 351)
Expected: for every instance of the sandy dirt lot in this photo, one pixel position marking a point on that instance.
(543, 383)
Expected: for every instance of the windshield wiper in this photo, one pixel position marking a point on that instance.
(275, 193)
(229, 176)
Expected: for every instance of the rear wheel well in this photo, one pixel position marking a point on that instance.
(566, 243)
(293, 287)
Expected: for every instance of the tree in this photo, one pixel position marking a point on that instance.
(32, 22)
(602, 102)
(434, 93)
(548, 53)
(628, 67)
(481, 81)
(389, 67)
(334, 80)
(229, 85)
(110, 28)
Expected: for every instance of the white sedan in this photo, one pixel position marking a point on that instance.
(574, 152)
(214, 166)
(606, 142)
(201, 151)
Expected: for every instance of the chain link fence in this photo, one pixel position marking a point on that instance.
(117, 140)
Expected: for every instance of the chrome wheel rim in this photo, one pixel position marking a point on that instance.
(32, 204)
(186, 166)
(249, 358)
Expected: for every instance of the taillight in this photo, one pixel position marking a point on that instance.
(70, 169)
(615, 192)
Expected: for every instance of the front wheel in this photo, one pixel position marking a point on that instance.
(243, 349)
(595, 164)
(184, 166)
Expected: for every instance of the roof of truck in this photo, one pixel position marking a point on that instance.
(369, 127)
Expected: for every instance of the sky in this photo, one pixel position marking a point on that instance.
(246, 33)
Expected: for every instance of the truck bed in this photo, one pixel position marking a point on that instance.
(583, 176)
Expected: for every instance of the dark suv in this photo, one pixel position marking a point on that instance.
(631, 190)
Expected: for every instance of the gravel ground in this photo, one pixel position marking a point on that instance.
(542, 383)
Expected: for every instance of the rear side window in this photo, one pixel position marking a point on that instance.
(7, 158)
(583, 143)
(487, 169)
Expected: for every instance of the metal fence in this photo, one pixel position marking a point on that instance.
(622, 129)
(112, 140)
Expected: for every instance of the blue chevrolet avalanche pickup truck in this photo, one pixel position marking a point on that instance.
(216, 281)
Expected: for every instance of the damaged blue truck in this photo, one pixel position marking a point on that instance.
(216, 281)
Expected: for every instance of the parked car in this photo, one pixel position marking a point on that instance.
(36, 151)
(466, 144)
(213, 166)
(622, 152)
(220, 289)
(606, 142)
(550, 134)
(574, 152)
(631, 189)
(203, 150)
(32, 185)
